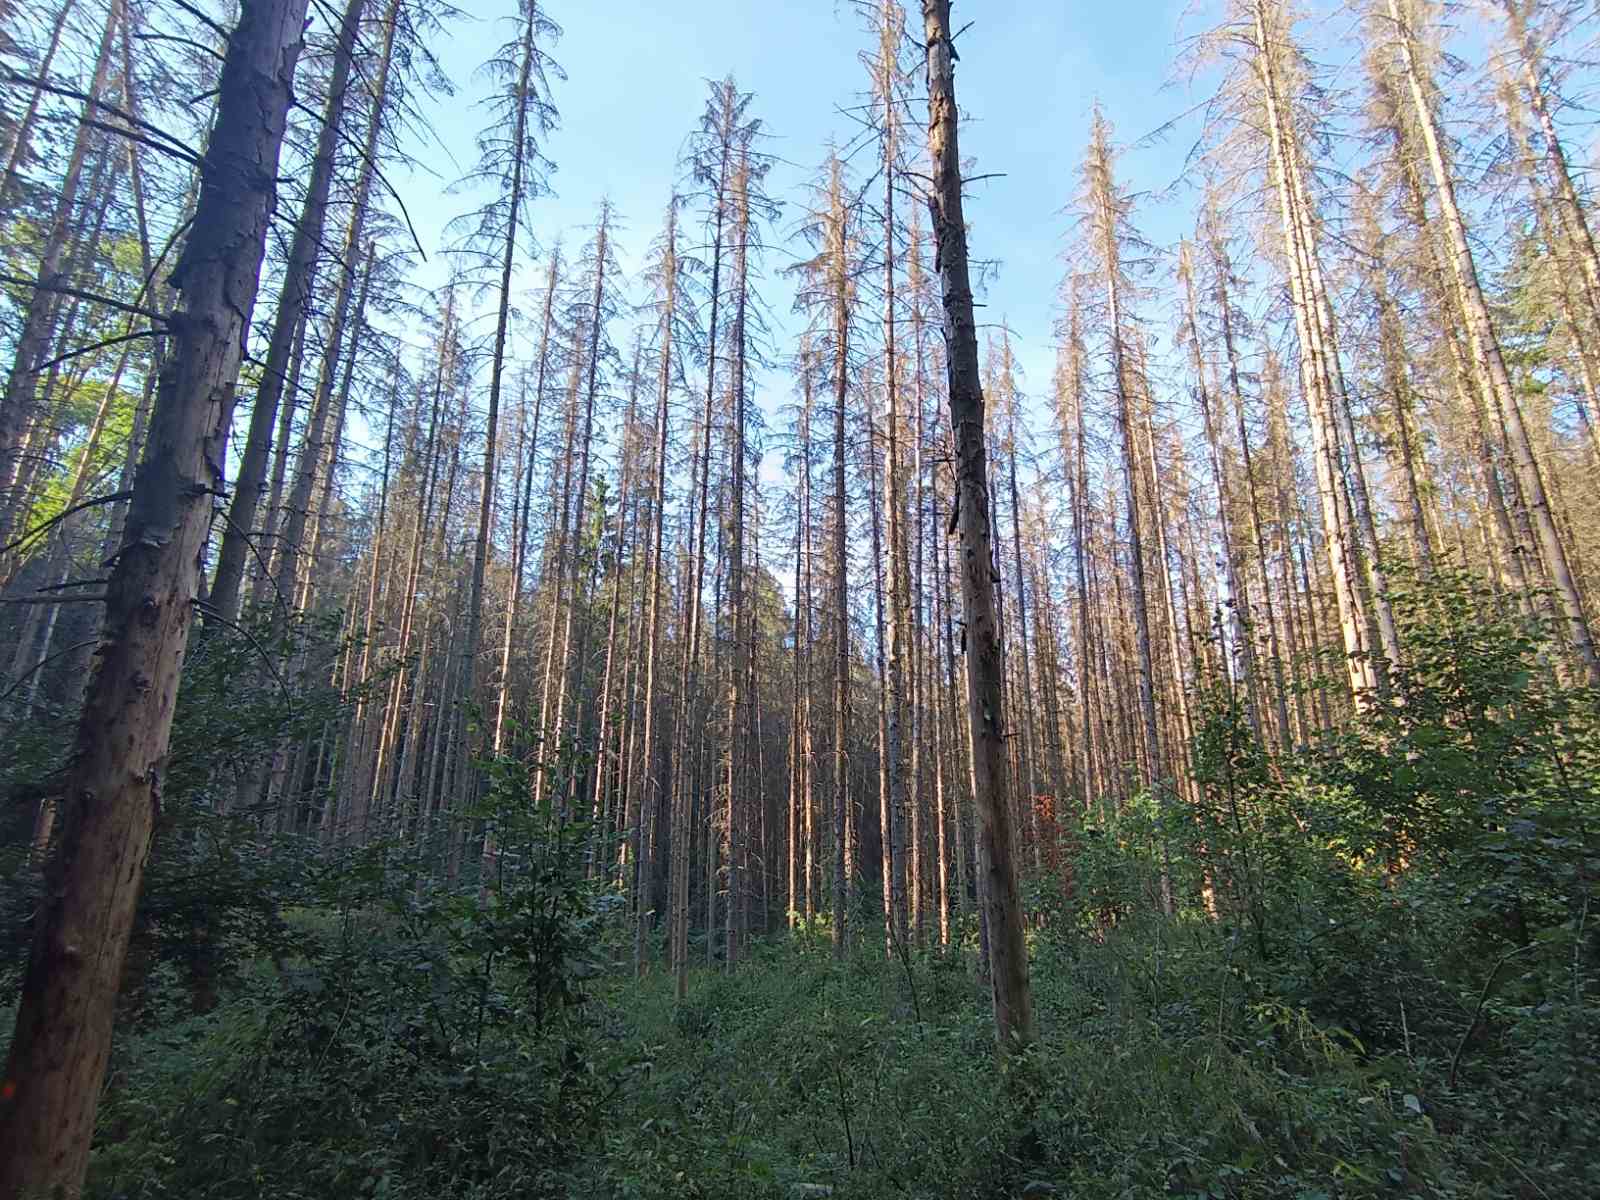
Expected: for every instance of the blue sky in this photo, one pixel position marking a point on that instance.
(1028, 76)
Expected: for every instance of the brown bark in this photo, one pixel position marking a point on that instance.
(112, 794)
(1008, 956)
(292, 306)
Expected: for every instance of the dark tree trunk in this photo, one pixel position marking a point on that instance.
(112, 795)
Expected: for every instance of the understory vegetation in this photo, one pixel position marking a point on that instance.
(1378, 980)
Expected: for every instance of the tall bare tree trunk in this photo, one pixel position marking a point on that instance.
(838, 285)
(293, 300)
(21, 396)
(1340, 538)
(805, 610)
(1105, 216)
(799, 815)
(1573, 218)
(1072, 436)
(575, 662)
(519, 553)
(1486, 346)
(643, 794)
(627, 508)
(682, 786)
(1008, 955)
(890, 31)
(383, 765)
(1223, 269)
(735, 835)
(22, 135)
(1022, 705)
(1239, 600)
(62, 1039)
(516, 194)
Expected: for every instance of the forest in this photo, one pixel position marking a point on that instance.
(501, 699)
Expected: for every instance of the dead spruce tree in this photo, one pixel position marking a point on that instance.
(1008, 956)
(112, 791)
(511, 160)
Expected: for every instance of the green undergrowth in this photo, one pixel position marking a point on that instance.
(1163, 1068)
(430, 1051)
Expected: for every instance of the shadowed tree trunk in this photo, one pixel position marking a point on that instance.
(112, 793)
(292, 306)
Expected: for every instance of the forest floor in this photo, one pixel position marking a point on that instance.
(1157, 1074)
(1164, 1068)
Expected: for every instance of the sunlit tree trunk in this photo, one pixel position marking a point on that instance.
(1486, 346)
(1339, 536)
(21, 397)
(1008, 958)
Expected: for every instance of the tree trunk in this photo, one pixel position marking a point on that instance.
(1239, 601)
(1338, 534)
(1224, 272)
(22, 136)
(838, 283)
(1486, 344)
(20, 399)
(643, 791)
(735, 838)
(63, 1032)
(292, 306)
(898, 627)
(1008, 956)
(515, 194)
(701, 479)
